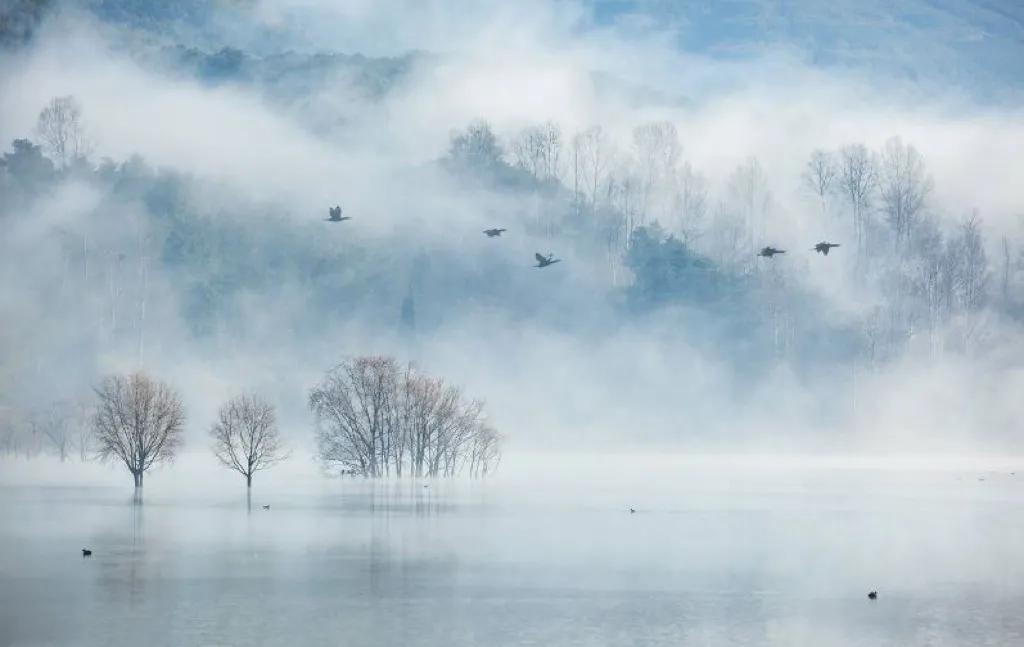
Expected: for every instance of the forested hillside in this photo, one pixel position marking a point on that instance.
(128, 260)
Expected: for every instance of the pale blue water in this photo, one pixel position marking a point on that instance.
(779, 559)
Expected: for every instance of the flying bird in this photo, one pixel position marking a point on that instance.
(336, 215)
(491, 233)
(544, 261)
(86, 552)
(768, 252)
(266, 507)
(823, 247)
(873, 595)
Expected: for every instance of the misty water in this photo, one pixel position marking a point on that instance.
(741, 552)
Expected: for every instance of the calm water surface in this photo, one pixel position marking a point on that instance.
(779, 558)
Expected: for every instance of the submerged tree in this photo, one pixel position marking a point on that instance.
(377, 418)
(139, 421)
(245, 436)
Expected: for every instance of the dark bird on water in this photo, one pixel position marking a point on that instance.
(632, 511)
(823, 247)
(873, 595)
(768, 252)
(544, 261)
(86, 552)
(266, 507)
(491, 233)
(336, 215)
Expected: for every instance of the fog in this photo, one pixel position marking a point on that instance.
(560, 364)
(697, 444)
(552, 352)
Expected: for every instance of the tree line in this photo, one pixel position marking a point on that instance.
(374, 418)
(643, 218)
(377, 417)
(652, 211)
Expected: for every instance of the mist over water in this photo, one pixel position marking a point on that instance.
(699, 444)
(720, 550)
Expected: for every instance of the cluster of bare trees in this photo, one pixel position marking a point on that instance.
(140, 421)
(538, 151)
(933, 278)
(931, 274)
(892, 183)
(623, 188)
(376, 417)
(60, 428)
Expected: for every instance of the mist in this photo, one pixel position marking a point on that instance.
(557, 355)
(507, 323)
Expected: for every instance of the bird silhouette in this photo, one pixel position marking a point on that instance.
(544, 261)
(768, 252)
(491, 233)
(823, 247)
(632, 511)
(336, 215)
(86, 552)
(266, 507)
(873, 595)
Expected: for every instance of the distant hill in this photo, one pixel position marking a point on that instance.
(18, 20)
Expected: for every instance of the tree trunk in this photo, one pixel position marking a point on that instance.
(248, 480)
(138, 479)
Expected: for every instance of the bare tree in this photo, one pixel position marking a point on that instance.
(657, 150)
(903, 187)
(61, 130)
(751, 199)
(81, 428)
(591, 158)
(376, 418)
(820, 176)
(538, 151)
(728, 243)
(245, 436)
(857, 176)
(485, 453)
(973, 274)
(623, 198)
(139, 421)
(54, 421)
(690, 203)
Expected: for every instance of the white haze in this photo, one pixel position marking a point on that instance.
(517, 64)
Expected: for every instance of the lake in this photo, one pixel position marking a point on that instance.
(748, 551)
